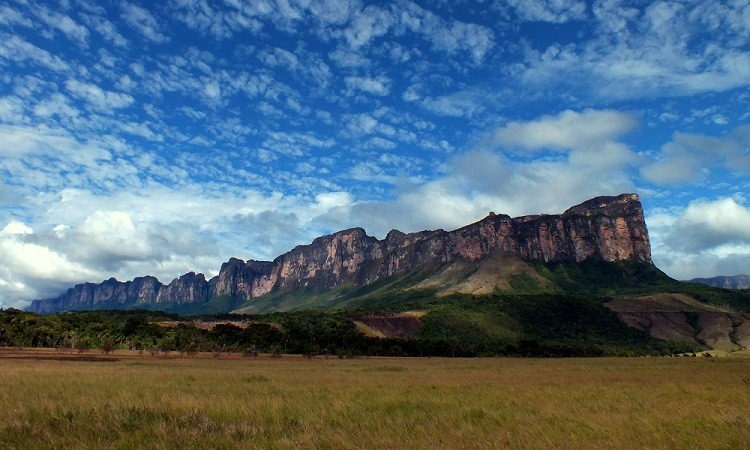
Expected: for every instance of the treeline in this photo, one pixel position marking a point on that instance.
(308, 333)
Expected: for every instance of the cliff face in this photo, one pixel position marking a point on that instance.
(603, 228)
(109, 294)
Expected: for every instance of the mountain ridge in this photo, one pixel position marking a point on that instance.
(607, 228)
(725, 282)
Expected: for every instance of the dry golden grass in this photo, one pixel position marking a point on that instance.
(156, 402)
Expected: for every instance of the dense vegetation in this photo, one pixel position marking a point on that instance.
(458, 325)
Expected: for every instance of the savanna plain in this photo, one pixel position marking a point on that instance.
(141, 401)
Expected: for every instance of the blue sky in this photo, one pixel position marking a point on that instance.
(163, 137)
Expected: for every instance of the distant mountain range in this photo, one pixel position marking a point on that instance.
(725, 282)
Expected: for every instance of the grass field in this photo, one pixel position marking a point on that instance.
(127, 401)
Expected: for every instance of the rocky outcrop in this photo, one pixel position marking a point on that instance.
(603, 228)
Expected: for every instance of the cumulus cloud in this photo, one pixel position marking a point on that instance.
(567, 130)
(707, 238)
(692, 157)
(30, 269)
(711, 225)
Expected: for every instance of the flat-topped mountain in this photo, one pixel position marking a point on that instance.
(609, 229)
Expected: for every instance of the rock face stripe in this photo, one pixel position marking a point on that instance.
(604, 228)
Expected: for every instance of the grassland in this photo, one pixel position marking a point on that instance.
(127, 401)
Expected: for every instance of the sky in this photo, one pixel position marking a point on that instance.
(166, 137)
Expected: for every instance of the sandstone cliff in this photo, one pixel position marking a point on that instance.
(604, 228)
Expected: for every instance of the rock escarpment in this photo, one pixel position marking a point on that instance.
(604, 228)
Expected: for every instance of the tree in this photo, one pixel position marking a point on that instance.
(166, 345)
(107, 344)
(82, 344)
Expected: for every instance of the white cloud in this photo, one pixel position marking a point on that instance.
(10, 16)
(98, 97)
(347, 58)
(14, 48)
(712, 224)
(447, 37)
(295, 144)
(279, 57)
(108, 30)
(567, 130)
(378, 86)
(663, 50)
(57, 105)
(63, 23)
(370, 23)
(361, 124)
(222, 23)
(554, 11)
(590, 137)
(459, 104)
(16, 228)
(31, 270)
(333, 12)
(212, 90)
(143, 22)
(380, 143)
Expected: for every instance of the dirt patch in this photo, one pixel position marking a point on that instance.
(672, 326)
(666, 303)
(716, 330)
(679, 317)
(44, 354)
(210, 325)
(397, 326)
(79, 358)
(203, 325)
